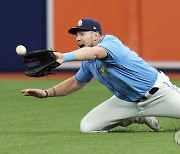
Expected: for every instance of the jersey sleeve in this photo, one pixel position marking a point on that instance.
(84, 74)
(112, 46)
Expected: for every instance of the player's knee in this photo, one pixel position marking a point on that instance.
(86, 127)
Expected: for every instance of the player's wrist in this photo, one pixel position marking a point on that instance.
(50, 93)
(46, 94)
(69, 57)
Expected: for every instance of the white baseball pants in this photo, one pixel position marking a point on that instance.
(164, 103)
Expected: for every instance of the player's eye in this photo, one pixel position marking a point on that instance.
(82, 33)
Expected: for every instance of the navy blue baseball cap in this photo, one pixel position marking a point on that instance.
(86, 24)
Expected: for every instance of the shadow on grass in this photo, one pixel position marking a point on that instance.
(142, 128)
(138, 131)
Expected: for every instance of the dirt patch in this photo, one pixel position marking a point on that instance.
(20, 76)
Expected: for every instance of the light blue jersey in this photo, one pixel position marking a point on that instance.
(123, 72)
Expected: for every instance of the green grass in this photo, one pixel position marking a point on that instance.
(38, 126)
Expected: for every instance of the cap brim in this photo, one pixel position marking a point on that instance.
(74, 30)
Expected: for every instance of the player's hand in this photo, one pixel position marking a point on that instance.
(39, 93)
(59, 56)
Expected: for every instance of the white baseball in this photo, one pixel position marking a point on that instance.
(177, 137)
(21, 50)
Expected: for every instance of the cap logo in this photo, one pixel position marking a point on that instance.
(94, 27)
(80, 23)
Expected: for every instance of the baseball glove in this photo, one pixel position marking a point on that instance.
(39, 63)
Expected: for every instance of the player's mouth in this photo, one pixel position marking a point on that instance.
(81, 45)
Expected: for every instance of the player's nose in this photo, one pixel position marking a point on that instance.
(78, 38)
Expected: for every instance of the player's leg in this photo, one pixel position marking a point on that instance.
(115, 112)
(108, 114)
(165, 103)
(151, 122)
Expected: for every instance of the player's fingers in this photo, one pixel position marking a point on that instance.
(58, 55)
(23, 90)
(34, 92)
(26, 92)
(29, 92)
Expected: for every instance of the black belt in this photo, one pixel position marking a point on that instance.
(151, 92)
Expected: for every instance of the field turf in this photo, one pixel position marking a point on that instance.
(51, 126)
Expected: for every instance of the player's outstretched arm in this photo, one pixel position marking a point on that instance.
(64, 88)
(85, 53)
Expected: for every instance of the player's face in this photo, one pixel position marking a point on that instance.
(85, 38)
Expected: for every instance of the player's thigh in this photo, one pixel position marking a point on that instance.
(167, 104)
(108, 113)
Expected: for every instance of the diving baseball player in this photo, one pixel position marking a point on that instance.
(139, 91)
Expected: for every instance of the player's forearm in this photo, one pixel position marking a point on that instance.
(89, 53)
(86, 53)
(78, 55)
(66, 87)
